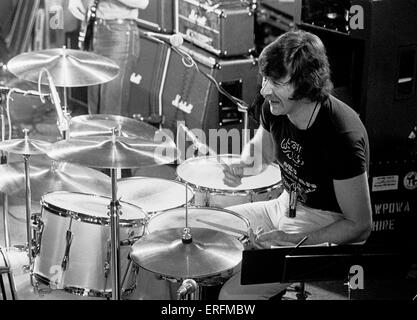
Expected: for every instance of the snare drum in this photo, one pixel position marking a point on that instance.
(154, 194)
(74, 244)
(205, 175)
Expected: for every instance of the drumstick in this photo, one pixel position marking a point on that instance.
(220, 226)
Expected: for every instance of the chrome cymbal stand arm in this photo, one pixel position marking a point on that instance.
(28, 216)
(5, 196)
(115, 237)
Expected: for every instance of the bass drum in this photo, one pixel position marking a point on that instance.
(205, 175)
(73, 244)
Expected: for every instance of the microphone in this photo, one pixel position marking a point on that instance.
(196, 142)
(62, 121)
(188, 286)
(154, 119)
(174, 40)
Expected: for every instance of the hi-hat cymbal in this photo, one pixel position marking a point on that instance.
(102, 124)
(68, 67)
(211, 252)
(114, 152)
(25, 146)
(47, 175)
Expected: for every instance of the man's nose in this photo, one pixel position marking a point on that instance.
(266, 88)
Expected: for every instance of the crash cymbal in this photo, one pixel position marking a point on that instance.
(47, 175)
(102, 124)
(210, 252)
(68, 67)
(25, 146)
(114, 152)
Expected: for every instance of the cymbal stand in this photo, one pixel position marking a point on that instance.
(5, 196)
(186, 235)
(115, 231)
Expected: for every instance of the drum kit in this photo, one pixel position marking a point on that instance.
(85, 238)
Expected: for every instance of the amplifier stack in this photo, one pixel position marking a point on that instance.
(219, 36)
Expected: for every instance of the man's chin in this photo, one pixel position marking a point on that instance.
(275, 110)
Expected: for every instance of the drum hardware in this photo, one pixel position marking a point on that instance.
(68, 237)
(26, 147)
(63, 115)
(115, 152)
(37, 229)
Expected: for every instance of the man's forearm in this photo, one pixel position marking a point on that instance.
(339, 232)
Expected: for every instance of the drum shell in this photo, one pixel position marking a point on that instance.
(223, 199)
(205, 174)
(89, 254)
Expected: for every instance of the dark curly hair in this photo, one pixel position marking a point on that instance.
(302, 56)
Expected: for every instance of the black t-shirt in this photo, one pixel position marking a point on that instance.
(335, 147)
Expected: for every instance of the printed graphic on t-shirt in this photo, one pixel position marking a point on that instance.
(291, 164)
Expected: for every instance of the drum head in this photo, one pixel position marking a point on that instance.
(207, 218)
(90, 208)
(153, 194)
(207, 172)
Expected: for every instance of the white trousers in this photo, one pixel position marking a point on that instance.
(272, 215)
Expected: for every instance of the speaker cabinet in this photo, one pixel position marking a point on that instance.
(158, 16)
(190, 96)
(374, 68)
(146, 80)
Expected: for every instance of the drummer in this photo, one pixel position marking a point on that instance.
(322, 149)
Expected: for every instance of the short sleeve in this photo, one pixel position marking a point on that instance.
(350, 156)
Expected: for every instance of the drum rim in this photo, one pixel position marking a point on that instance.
(237, 192)
(78, 216)
(246, 220)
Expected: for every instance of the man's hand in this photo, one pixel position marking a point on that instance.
(233, 173)
(76, 7)
(266, 240)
